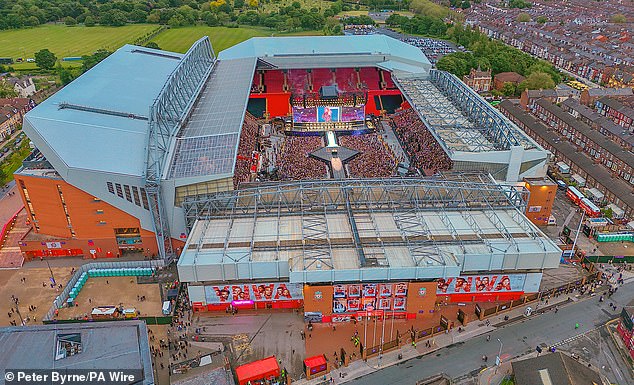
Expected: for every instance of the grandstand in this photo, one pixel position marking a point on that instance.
(195, 125)
(366, 230)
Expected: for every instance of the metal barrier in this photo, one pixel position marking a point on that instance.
(61, 299)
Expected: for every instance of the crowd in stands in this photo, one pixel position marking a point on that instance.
(293, 162)
(375, 158)
(420, 145)
(432, 48)
(248, 139)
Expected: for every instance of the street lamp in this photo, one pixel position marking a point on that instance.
(498, 360)
(51, 271)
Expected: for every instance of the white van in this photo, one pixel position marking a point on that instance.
(552, 221)
(167, 308)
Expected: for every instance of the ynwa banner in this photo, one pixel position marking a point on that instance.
(481, 284)
(254, 292)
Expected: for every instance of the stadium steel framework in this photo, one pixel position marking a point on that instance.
(495, 127)
(168, 113)
(405, 198)
(458, 117)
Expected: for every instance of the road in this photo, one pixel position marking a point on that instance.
(517, 339)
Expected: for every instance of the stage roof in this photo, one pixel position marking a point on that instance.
(331, 51)
(104, 124)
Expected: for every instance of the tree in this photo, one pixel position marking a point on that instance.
(332, 27)
(152, 45)
(537, 81)
(70, 21)
(253, 3)
(45, 59)
(6, 90)
(542, 19)
(65, 75)
(523, 17)
(618, 18)
(508, 89)
(89, 21)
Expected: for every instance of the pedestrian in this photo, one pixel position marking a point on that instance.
(488, 338)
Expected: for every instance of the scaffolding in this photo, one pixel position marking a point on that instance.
(167, 114)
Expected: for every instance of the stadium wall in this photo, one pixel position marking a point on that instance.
(93, 220)
(277, 104)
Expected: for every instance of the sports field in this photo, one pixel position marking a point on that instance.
(180, 39)
(66, 41)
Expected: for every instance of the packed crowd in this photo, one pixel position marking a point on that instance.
(432, 48)
(294, 162)
(248, 138)
(375, 159)
(420, 145)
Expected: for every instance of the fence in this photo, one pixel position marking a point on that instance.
(63, 297)
(483, 313)
(7, 227)
(609, 259)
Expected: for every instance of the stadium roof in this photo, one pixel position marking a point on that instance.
(104, 345)
(358, 229)
(99, 121)
(208, 142)
(330, 51)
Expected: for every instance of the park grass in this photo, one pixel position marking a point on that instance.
(180, 39)
(66, 41)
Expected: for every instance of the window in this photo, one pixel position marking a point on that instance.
(101, 223)
(119, 190)
(68, 345)
(135, 192)
(128, 195)
(99, 212)
(110, 187)
(144, 199)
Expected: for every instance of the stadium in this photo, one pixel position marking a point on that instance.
(346, 149)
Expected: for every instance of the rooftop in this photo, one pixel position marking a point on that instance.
(335, 226)
(104, 345)
(595, 136)
(617, 186)
(331, 51)
(100, 120)
(553, 369)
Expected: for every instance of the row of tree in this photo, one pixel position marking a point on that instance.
(25, 13)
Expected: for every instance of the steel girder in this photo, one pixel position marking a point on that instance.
(168, 113)
(493, 125)
(381, 195)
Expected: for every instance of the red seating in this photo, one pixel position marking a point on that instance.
(387, 78)
(274, 81)
(297, 81)
(370, 78)
(321, 77)
(346, 79)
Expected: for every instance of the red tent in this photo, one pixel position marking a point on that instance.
(316, 364)
(258, 370)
